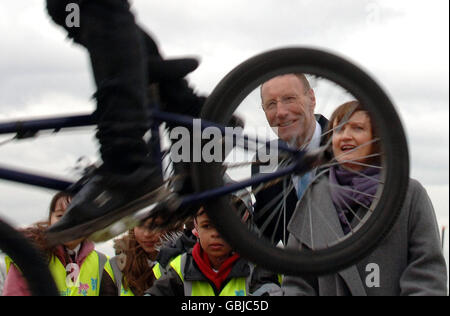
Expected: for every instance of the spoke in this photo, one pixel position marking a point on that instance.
(275, 210)
(268, 206)
(277, 199)
(322, 172)
(284, 213)
(7, 141)
(338, 127)
(358, 147)
(351, 190)
(310, 221)
(334, 162)
(281, 212)
(358, 202)
(264, 186)
(360, 173)
(325, 220)
(360, 163)
(272, 238)
(351, 211)
(270, 217)
(309, 205)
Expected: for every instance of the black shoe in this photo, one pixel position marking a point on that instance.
(105, 199)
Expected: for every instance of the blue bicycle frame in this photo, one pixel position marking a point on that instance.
(29, 128)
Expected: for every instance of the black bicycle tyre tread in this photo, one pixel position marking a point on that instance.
(27, 258)
(218, 108)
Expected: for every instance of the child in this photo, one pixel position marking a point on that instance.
(134, 265)
(78, 269)
(211, 268)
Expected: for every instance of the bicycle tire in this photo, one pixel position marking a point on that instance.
(29, 261)
(221, 104)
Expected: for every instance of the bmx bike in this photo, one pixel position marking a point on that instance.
(337, 78)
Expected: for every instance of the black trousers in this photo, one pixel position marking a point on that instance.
(118, 51)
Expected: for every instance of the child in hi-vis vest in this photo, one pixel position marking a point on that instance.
(212, 268)
(77, 269)
(134, 266)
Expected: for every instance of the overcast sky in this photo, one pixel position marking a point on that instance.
(403, 43)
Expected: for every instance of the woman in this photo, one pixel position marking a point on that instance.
(408, 262)
(77, 268)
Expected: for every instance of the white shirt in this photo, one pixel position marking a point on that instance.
(74, 252)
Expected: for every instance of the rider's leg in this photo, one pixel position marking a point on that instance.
(118, 50)
(107, 29)
(109, 55)
(115, 45)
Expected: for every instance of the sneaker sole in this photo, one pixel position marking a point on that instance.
(89, 228)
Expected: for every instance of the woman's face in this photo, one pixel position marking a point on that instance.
(352, 142)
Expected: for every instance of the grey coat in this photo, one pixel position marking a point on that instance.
(408, 262)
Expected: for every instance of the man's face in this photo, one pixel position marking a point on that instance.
(289, 108)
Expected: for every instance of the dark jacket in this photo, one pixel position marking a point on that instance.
(171, 284)
(267, 196)
(172, 249)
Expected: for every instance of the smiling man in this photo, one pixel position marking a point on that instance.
(288, 102)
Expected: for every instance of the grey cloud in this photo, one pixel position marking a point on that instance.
(34, 64)
(242, 25)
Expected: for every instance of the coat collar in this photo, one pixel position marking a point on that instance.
(86, 248)
(315, 222)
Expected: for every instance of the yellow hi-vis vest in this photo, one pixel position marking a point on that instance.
(8, 262)
(89, 277)
(235, 287)
(118, 275)
(158, 270)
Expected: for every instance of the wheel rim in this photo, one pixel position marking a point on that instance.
(352, 79)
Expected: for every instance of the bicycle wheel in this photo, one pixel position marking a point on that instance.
(334, 81)
(27, 258)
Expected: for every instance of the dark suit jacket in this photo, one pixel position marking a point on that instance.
(267, 196)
